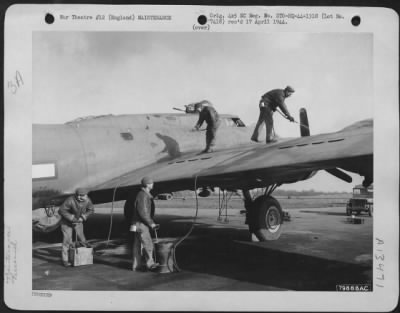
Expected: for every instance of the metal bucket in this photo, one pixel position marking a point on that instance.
(165, 254)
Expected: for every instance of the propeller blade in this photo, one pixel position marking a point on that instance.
(340, 174)
(304, 127)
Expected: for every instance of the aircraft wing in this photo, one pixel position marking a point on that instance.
(253, 165)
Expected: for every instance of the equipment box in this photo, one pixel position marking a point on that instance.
(81, 256)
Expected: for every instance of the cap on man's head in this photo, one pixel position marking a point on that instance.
(81, 191)
(146, 180)
(289, 89)
(198, 106)
(206, 103)
(201, 104)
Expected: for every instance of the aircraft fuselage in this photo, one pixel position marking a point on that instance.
(87, 152)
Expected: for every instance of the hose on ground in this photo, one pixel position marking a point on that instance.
(191, 228)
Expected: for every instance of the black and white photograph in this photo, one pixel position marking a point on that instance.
(232, 159)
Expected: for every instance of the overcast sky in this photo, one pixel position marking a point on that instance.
(78, 74)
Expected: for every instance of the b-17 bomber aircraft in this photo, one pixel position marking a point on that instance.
(110, 155)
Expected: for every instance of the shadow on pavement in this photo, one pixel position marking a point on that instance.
(222, 255)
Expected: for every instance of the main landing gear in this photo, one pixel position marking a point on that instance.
(264, 215)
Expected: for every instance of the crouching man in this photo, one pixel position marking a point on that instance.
(209, 114)
(74, 212)
(141, 224)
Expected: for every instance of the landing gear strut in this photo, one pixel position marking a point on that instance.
(264, 215)
(223, 205)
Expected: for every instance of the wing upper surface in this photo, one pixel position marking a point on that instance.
(253, 165)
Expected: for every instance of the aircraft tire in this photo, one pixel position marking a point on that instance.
(266, 218)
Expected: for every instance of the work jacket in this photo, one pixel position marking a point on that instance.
(210, 115)
(273, 99)
(71, 210)
(143, 208)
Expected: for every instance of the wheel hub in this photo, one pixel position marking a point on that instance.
(272, 219)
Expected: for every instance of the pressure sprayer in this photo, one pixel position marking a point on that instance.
(155, 231)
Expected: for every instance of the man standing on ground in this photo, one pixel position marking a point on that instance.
(268, 104)
(141, 223)
(74, 211)
(210, 115)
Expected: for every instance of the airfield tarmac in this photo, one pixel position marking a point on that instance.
(318, 250)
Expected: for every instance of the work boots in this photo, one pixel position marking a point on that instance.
(206, 150)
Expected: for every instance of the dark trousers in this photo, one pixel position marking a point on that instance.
(264, 117)
(211, 135)
(142, 246)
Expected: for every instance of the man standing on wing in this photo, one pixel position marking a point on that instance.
(74, 211)
(208, 114)
(268, 104)
(141, 223)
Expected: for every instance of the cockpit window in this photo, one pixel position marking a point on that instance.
(127, 136)
(238, 122)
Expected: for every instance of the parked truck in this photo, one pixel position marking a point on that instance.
(361, 201)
